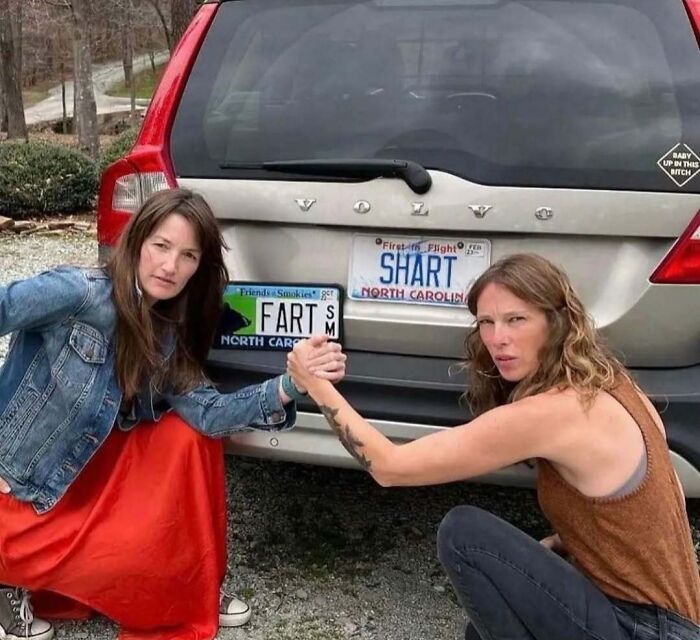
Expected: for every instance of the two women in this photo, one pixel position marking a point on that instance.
(129, 522)
(543, 388)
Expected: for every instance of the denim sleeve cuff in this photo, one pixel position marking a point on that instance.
(278, 417)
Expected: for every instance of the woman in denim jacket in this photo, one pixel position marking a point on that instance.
(128, 523)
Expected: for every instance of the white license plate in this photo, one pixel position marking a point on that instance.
(275, 316)
(416, 270)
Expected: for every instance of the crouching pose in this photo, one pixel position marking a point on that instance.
(543, 388)
(129, 522)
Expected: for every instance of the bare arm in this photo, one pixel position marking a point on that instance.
(500, 437)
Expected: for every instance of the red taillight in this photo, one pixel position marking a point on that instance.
(682, 264)
(693, 8)
(147, 168)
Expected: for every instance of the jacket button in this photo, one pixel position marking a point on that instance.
(275, 417)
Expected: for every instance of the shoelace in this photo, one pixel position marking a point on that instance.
(26, 615)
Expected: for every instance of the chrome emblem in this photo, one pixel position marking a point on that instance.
(544, 213)
(480, 210)
(362, 206)
(418, 209)
(305, 203)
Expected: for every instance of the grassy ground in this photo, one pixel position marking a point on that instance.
(145, 84)
(37, 93)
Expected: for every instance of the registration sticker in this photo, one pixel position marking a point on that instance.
(276, 316)
(416, 270)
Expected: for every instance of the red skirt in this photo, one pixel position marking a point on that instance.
(139, 537)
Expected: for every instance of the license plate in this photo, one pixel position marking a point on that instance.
(416, 270)
(276, 316)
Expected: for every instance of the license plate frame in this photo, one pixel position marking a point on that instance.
(249, 307)
(369, 289)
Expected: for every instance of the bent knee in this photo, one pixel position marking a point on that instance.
(464, 526)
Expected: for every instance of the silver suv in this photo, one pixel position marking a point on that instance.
(368, 159)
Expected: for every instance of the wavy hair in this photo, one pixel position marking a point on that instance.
(191, 317)
(573, 355)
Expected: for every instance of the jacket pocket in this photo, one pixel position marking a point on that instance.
(77, 365)
(88, 343)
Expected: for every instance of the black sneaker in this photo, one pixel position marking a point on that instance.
(17, 622)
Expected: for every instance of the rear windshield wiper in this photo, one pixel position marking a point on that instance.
(415, 176)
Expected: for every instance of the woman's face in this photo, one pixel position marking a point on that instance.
(512, 330)
(169, 258)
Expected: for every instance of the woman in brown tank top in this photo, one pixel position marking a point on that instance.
(542, 387)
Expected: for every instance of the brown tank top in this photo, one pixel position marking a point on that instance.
(636, 547)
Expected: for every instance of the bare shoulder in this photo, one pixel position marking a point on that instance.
(552, 413)
(604, 409)
(554, 404)
(568, 423)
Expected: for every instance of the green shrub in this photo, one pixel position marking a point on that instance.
(40, 177)
(118, 148)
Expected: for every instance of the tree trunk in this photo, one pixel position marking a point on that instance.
(76, 112)
(64, 110)
(127, 38)
(85, 114)
(3, 111)
(11, 62)
(164, 23)
(61, 47)
(129, 54)
(181, 12)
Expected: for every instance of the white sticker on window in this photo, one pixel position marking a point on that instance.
(680, 164)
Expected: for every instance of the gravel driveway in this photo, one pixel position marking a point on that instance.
(321, 554)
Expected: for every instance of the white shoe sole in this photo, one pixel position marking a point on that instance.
(47, 635)
(230, 619)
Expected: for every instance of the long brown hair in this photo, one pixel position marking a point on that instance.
(573, 356)
(191, 318)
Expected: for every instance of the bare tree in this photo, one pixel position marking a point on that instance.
(160, 12)
(62, 70)
(3, 110)
(11, 63)
(85, 109)
(129, 56)
(181, 12)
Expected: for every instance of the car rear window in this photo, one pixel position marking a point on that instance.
(591, 94)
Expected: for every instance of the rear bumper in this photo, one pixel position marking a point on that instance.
(407, 397)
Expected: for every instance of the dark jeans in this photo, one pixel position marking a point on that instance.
(513, 588)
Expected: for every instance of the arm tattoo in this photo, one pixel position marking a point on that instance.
(350, 442)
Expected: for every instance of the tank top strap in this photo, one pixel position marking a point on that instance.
(628, 396)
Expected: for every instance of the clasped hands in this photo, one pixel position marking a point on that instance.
(315, 358)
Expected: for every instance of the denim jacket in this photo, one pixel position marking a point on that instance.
(59, 397)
